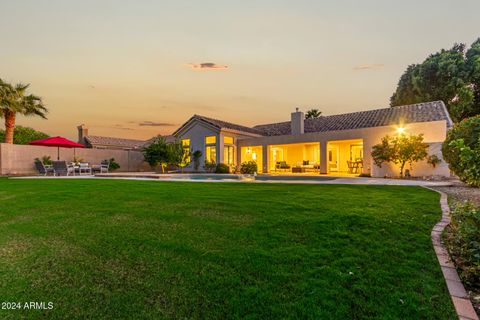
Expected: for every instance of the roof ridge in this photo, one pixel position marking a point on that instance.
(108, 137)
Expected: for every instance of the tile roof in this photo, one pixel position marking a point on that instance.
(224, 125)
(114, 142)
(421, 112)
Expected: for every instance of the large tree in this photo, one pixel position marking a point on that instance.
(449, 75)
(15, 100)
(23, 135)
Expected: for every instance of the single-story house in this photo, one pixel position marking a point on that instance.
(101, 142)
(335, 144)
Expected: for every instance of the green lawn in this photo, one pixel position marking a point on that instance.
(150, 249)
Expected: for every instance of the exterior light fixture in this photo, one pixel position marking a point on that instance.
(400, 130)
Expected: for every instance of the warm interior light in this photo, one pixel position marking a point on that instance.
(400, 130)
(254, 156)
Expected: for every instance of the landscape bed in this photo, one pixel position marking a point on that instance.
(148, 249)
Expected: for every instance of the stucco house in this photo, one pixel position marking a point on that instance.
(102, 142)
(337, 144)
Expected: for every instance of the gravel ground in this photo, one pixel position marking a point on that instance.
(459, 192)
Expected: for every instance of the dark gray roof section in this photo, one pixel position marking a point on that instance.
(421, 112)
(221, 125)
(114, 142)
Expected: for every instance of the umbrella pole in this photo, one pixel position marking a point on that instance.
(58, 153)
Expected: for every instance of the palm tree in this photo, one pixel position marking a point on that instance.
(13, 100)
(313, 114)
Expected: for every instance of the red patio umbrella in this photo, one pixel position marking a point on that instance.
(57, 142)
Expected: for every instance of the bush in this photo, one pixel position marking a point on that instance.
(248, 167)
(46, 160)
(463, 242)
(222, 168)
(210, 166)
(461, 150)
(113, 165)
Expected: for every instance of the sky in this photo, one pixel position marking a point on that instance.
(135, 69)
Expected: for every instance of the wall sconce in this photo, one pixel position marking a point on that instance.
(254, 156)
(400, 130)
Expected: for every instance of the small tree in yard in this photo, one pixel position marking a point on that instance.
(178, 155)
(196, 159)
(400, 150)
(157, 153)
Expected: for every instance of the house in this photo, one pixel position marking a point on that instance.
(334, 144)
(100, 142)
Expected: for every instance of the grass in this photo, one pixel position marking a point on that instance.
(148, 249)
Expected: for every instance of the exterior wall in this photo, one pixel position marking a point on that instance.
(434, 134)
(197, 133)
(19, 159)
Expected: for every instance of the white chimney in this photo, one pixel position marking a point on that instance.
(298, 118)
(82, 133)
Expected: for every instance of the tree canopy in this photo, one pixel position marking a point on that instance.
(452, 76)
(313, 114)
(23, 135)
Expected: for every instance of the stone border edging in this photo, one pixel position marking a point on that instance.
(461, 301)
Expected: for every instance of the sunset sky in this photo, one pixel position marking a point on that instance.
(135, 69)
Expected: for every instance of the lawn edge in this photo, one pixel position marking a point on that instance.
(463, 305)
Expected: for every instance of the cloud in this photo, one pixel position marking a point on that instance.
(370, 66)
(155, 124)
(208, 66)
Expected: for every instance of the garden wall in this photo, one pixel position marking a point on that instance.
(19, 159)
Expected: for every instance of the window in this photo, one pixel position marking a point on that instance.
(228, 155)
(186, 150)
(210, 140)
(211, 154)
(186, 143)
(211, 149)
(228, 140)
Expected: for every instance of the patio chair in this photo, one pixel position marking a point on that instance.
(62, 169)
(102, 167)
(42, 169)
(84, 168)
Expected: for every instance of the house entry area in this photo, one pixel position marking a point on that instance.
(294, 158)
(345, 156)
(254, 153)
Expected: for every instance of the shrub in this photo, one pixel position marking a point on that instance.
(46, 160)
(196, 159)
(365, 175)
(463, 241)
(248, 167)
(222, 168)
(210, 166)
(113, 165)
(461, 150)
(433, 160)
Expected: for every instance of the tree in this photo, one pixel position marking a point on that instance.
(178, 155)
(449, 76)
(23, 135)
(400, 150)
(14, 100)
(461, 150)
(157, 153)
(196, 159)
(313, 114)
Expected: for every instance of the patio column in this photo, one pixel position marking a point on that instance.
(367, 157)
(265, 159)
(220, 146)
(323, 157)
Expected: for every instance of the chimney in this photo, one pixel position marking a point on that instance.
(297, 122)
(82, 133)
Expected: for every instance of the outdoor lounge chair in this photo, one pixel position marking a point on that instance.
(62, 169)
(84, 168)
(102, 167)
(42, 169)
